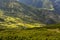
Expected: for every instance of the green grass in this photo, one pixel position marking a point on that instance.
(29, 34)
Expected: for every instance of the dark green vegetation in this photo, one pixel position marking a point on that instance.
(50, 32)
(43, 33)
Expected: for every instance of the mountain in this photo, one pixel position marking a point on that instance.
(35, 3)
(15, 14)
(53, 4)
(56, 5)
(50, 8)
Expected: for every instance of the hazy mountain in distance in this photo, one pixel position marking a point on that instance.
(57, 6)
(54, 4)
(49, 12)
(34, 3)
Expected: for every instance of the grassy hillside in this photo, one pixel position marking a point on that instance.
(30, 34)
(16, 22)
(50, 32)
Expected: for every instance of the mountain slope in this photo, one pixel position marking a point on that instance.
(47, 4)
(47, 11)
(53, 4)
(23, 15)
(16, 14)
